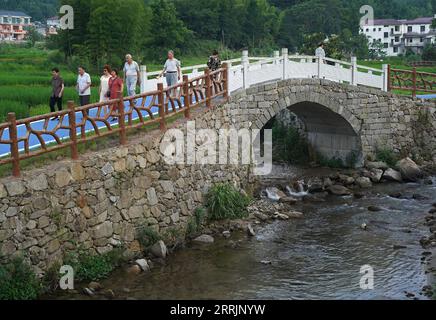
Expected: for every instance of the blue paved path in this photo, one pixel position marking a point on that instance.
(427, 96)
(64, 134)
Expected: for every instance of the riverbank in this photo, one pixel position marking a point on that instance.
(385, 220)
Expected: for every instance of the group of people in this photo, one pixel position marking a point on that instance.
(111, 84)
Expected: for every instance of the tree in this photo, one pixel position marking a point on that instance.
(429, 53)
(170, 31)
(377, 50)
(33, 36)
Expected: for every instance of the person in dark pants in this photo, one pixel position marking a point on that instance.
(84, 87)
(58, 87)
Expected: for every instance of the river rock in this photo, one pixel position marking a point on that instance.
(275, 194)
(205, 239)
(261, 216)
(374, 209)
(392, 175)
(364, 182)
(88, 292)
(377, 165)
(409, 170)
(399, 247)
(250, 231)
(347, 180)
(295, 215)
(134, 270)
(288, 200)
(315, 185)
(143, 264)
(339, 190)
(432, 210)
(159, 250)
(281, 216)
(95, 286)
(376, 175)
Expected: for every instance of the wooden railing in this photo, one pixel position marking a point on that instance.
(411, 80)
(169, 101)
(422, 64)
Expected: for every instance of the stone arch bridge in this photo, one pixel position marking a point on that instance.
(339, 118)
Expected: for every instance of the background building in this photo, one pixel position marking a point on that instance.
(398, 36)
(13, 24)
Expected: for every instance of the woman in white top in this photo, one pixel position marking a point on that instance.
(104, 87)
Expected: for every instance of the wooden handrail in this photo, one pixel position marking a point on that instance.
(203, 88)
(411, 80)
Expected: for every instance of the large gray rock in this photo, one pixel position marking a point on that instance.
(409, 170)
(377, 165)
(204, 239)
(143, 264)
(376, 175)
(392, 175)
(364, 182)
(15, 188)
(339, 190)
(159, 250)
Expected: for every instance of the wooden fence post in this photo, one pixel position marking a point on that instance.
(13, 136)
(389, 78)
(161, 102)
(122, 119)
(208, 88)
(186, 97)
(414, 82)
(226, 81)
(73, 130)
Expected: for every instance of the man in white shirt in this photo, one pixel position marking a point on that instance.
(320, 52)
(132, 76)
(84, 87)
(172, 70)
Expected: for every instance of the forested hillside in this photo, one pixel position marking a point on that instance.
(37, 9)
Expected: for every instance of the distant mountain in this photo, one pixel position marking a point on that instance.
(39, 10)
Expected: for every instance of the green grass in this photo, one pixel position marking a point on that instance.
(147, 236)
(92, 267)
(18, 281)
(224, 201)
(387, 156)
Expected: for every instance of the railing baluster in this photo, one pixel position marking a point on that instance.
(186, 97)
(73, 130)
(13, 136)
(161, 102)
(122, 119)
(208, 88)
(226, 81)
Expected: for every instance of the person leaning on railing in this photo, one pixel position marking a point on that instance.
(320, 52)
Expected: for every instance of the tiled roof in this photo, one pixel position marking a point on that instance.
(394, 22)
(13, 13)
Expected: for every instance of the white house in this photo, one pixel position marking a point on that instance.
(54, 22)
(398, 36)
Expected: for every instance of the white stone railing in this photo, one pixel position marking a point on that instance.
(248, 71)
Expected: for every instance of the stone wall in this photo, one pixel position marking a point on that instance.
(99, 201)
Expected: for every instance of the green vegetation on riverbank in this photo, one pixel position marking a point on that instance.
(18, 281)
(224, 201)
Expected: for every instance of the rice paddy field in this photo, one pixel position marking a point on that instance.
(25, 80)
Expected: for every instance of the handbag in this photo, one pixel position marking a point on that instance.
(108, 93)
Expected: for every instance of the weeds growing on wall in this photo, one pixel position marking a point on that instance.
(224, 201)
(387, 155)
(92, 267)
(18, 281)
(195, 222)
(147, 236)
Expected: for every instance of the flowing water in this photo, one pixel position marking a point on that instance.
(318, 257)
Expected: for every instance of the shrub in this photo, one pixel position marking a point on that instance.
(195, 222)
(289, 145)
(330, 163)
(387, 155)
(225, 202)
(91, 267)
(147, 237)
(18, 281)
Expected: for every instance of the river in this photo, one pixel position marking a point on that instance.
(318, 257)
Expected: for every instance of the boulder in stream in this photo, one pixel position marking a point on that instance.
(409, 170)
(159, 250)
(364, 182)
(205, 239)
(392, 175)
(339, 190)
